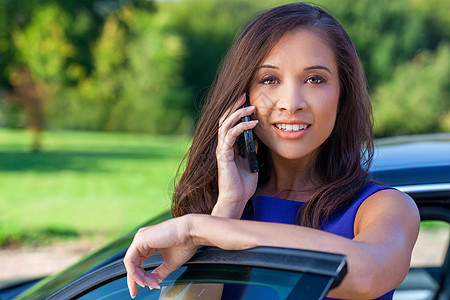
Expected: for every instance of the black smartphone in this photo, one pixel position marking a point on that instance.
(246, 141)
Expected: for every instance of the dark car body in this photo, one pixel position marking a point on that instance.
(417, 165)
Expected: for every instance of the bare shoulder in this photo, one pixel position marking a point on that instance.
(388, 207)
(390, 200)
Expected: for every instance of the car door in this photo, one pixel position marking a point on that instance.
(259, 273)
(428, 277)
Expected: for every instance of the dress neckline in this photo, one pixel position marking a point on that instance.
(277, 198)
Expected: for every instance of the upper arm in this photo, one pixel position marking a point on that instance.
(389, 220)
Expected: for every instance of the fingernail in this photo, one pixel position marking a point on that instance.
(158, 287)
(131, 295)
(150, 288)
(159, 280)
(253, 122)
(250, 107)
(141, 285)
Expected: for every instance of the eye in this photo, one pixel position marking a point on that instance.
(269, 80)
(315, 79)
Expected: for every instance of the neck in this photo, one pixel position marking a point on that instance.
(291, 179)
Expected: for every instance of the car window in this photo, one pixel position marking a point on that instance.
(432, 244)
(221, 282)
(261, 272)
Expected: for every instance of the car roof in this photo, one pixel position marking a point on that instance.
(412, 160)
(412, 152)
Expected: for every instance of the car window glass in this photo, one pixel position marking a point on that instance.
(231, 282)
(432, 244)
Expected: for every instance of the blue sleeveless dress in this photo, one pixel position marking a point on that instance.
(278, 210)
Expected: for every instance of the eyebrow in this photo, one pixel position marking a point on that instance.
(268, 66)
(318, 67)
(305, 69)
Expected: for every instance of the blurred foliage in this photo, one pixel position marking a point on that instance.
(417, 98)
(135, 84)
(42, 45)
(388, 33)
(145, 66)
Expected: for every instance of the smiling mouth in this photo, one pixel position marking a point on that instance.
(292, 127)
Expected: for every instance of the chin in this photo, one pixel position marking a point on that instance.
(293, 155)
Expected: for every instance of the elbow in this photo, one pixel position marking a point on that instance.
(372, 288)
(376, 281)
(367, 288)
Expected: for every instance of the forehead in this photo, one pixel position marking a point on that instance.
(304, 47)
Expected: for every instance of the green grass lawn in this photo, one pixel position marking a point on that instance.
(83, 183)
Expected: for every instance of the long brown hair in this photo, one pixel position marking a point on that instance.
(342, 160)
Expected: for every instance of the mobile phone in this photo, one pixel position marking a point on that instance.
(246, 141)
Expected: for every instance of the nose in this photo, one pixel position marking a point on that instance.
(291, 99)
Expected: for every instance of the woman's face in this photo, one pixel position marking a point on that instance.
(296, 92)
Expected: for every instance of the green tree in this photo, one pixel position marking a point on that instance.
(388, 33)
(133, 65)
(135, 83)
(42, 51)
(416, 99)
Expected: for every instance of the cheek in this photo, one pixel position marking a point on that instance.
(326, 109)
(261, 96)
(261, 114)
(263, 108)
(330, 109)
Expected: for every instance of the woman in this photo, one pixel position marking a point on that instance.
(312, 117)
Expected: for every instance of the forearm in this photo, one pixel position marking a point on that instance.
(363, 259)
(241, 234)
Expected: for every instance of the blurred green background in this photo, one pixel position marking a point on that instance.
(98, 98)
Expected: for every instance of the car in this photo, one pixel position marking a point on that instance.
(420, 166)
(417, 165)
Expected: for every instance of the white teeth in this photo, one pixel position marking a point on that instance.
(291, 127)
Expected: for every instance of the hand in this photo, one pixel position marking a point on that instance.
(171, 239)
(236, 182)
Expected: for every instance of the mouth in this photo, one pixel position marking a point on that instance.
(292, 127)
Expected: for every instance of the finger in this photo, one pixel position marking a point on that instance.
(137, 274)
(240, 128)
(231, 121)
(133, 260)
(163, 271)
(227, 147)
(132, 287)
(153, 280)
(229, 139)
(239, 103)
(235, 117)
